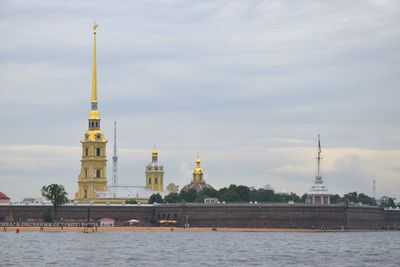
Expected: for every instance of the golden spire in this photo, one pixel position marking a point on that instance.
(94, 113)
(198, 160)
(94, 77)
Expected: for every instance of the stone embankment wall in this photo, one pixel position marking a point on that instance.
(222, 215)
(80, 213)
(392, 218)
(276, 216)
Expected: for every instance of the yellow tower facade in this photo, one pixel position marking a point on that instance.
(155, 173)
(93, 175)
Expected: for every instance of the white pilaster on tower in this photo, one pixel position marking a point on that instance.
(115, 157)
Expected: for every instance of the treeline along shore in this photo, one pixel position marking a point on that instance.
(294, 216)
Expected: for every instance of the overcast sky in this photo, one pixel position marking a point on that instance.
(247, 84)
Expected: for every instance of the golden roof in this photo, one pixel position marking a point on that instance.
(94, 115)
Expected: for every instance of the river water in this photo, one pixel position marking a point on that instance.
(200, 249)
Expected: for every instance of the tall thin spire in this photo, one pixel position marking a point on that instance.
(115, 157)
(318, 177)
(94, 115)
(94, 76)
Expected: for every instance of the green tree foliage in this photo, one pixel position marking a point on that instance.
(172, 198)
(351, 197)
(242, 193)
(56, 194)
(367, 200)
(48, 215)
(188, 196)
(281, 197)
(359, 198)
(336, 199)
(155, 198)
(230, 196)
(387, 202)
(262, 194)
(131, 201)
(206, 193)
(209, 192)
(303, 198)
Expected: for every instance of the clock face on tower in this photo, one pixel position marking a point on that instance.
(86, 137)
(98, 136)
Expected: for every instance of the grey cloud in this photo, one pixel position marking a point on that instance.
(208, 76)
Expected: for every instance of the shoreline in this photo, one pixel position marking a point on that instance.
(169, 229)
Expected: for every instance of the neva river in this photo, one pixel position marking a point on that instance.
(200, 249)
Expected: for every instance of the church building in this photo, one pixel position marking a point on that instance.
(92, 180)
(198, 183)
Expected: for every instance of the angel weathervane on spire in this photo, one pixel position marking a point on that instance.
(95, 27)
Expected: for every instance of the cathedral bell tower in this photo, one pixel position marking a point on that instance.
(92, 177)
(155, 173)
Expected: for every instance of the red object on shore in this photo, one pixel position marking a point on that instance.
(4, 198)
(17, 231)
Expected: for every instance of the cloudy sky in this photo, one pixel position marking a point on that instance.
(247, 84)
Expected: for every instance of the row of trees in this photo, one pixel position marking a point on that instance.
(233, 193)
(244, 194)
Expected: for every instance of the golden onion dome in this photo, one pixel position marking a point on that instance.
(198, 170)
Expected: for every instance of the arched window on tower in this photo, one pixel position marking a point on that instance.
(85, 173)
(85, 196)
(98, 173)
(98, 151)
(149, 180)
(155, 180)
(86, 152)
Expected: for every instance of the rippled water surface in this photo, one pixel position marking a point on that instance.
(200, 249)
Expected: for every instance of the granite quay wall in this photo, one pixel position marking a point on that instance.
(392, 219)
(80, 213)
(365, 217)
(222, 215)
(255, 216)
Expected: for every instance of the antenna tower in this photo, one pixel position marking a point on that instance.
(373, 188)
(115, 157)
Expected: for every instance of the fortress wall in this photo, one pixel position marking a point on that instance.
(78, 212)
(392, 218)
(365, 217)
(222, 215)
(257, 216)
